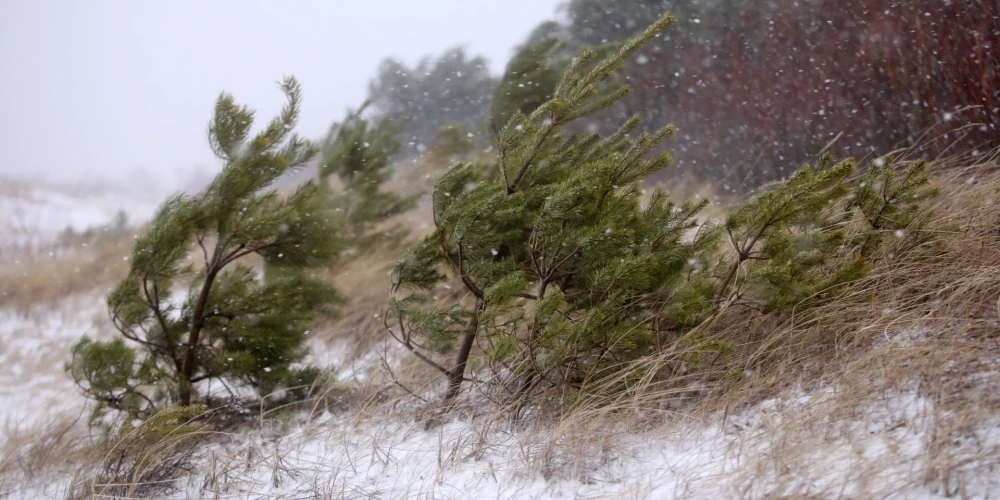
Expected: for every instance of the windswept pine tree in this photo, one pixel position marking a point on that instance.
(190, 310)
(528, 81)
(786, 242)
(573, 272)
(892, 204)
(560, 258)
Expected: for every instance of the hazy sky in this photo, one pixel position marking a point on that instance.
(98, 88)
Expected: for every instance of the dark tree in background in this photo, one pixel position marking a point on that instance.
(758, 87)
(439, 91)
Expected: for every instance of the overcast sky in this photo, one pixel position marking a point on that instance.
(98, 88)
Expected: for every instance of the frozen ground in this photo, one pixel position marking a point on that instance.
(34, 346)
(336, 457)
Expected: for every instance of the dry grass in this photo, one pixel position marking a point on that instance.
(917, 326)
(33, 278)
(28, 454)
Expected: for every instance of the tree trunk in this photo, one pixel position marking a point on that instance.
(457, 372)
(197, 323)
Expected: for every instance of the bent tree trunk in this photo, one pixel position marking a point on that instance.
(457, 372)
(189, 366)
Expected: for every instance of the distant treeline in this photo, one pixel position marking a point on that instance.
(755, 88)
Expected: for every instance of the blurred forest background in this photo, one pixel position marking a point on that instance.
(754, 88)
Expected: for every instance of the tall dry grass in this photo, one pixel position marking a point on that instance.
(38, 277)
(916, 327)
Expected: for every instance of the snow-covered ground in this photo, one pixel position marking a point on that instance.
(34, 347)
(881, 454)
(798, 444)
(33, 214)
(335, 458)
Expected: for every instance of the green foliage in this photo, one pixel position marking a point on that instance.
(108, 372)
(229, 324)
(787, 240)
(528, 82)
(557, 221)
(891, 203)
(572, 271)
(359, 154)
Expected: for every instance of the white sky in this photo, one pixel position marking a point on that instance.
(101, 88)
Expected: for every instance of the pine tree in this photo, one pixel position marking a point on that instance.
(892, 204)
(571, 273)
(563, 262)
(528, 82)
(359, 155)
(797, 245)
(786, 242)
(227, 324)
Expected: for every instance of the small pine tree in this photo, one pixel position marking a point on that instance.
(563, 262)
(785, 242)
(799, 243)
(227, 323)
(359, 155)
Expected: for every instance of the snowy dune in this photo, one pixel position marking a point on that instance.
(33, 215)
(829, 440)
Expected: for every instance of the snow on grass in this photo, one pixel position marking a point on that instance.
(890, 444)
(802, 443)
(34, 215)
(34, 347)
(883, 452)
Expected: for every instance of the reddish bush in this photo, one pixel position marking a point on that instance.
(757, 90)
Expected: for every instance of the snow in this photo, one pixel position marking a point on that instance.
(34, 215)
(796, 444)
(33, 385)
(398, 458)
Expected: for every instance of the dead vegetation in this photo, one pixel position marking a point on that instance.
(35, 278)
